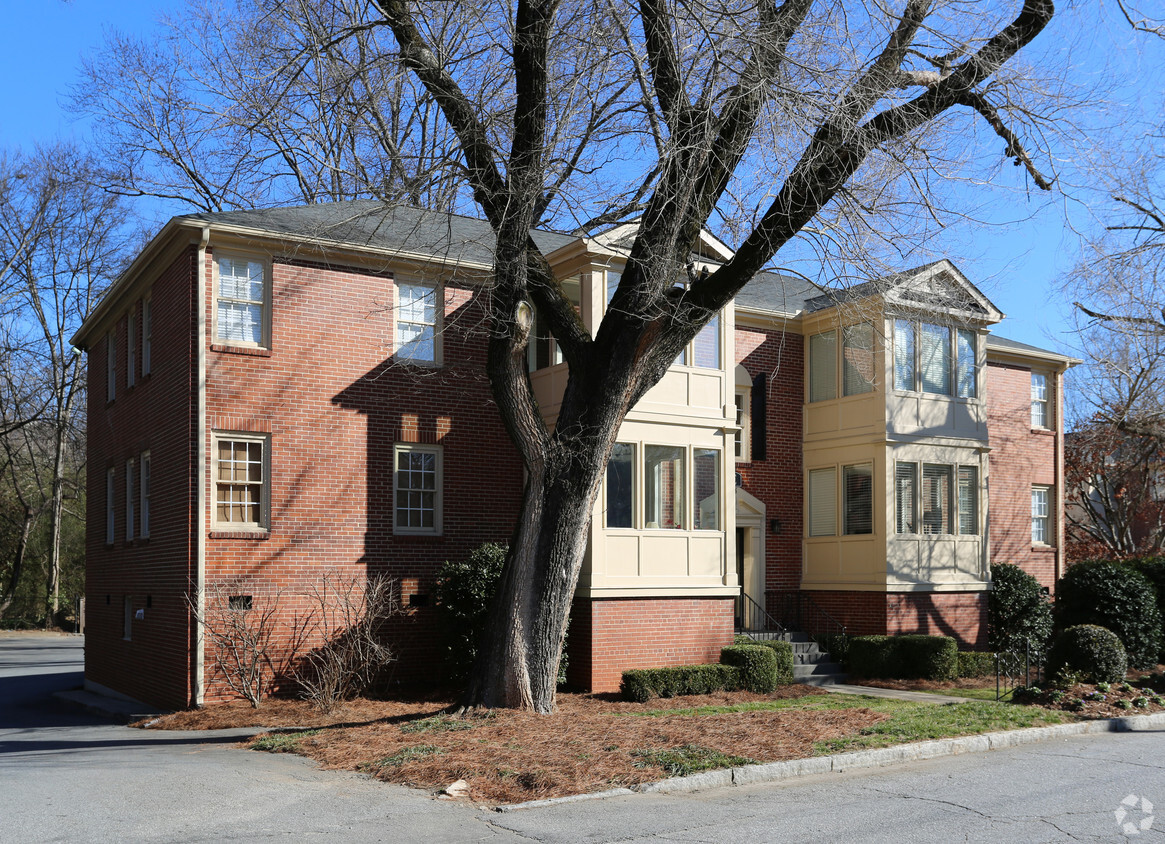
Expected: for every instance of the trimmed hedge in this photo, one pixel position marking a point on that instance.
(642, 684)
(905, 657)
(1094, 652)
(976, 663)
(757, 666)
(1114, 596)
(784, 652)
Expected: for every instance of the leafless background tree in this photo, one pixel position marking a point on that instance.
(61, 243)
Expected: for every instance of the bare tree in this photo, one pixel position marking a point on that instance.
(868, 89)
(60, 246)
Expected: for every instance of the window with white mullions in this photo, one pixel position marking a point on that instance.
(129, 499)
(417, 489)
(416, 323)
(1039, 400)
(240, 300)
(239, 482)
(1041, 518)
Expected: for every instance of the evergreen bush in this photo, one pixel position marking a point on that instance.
(1090, 651)
(757, 665)
(643, 684)
(976, 663)
(1114, 596)
(464, 591)
(904, 657)
(1018, 611)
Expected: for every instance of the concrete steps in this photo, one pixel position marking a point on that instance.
(811, 665)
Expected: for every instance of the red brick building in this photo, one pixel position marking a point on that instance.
(279, 395)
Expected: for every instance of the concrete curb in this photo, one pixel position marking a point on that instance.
(791, 768)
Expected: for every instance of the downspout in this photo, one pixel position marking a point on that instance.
(200, 476)
(1058, 571)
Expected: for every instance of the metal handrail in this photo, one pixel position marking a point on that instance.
(754, 619)
(798, 611)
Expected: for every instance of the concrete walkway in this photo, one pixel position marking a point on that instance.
(895, 694)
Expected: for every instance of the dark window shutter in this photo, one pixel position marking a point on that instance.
(760, 427)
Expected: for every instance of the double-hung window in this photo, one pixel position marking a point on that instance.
(416, 323)
(968, 500)
(934, 356)
(241, 301)
(417, 488)
(1039, 400)
(240, 481)
(665, 505)
(1041, 515)
(905, 496)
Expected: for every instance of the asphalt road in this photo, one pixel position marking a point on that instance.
(67, 776)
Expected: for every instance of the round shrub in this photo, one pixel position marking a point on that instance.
(1115, 596)
(1093, 652)
(1018, 611)
(465, 591)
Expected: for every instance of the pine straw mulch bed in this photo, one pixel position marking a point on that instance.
(589, 744)
(1141, 693)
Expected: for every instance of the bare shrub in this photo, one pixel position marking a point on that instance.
(348, 615)
(240, 629)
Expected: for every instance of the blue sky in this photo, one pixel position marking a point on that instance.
(1017, 264)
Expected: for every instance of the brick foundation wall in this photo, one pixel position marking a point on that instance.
(962, 615)
(776, 480)
(1020, 458)
(609, 636)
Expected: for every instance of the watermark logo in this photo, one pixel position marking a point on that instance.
(1134, 815)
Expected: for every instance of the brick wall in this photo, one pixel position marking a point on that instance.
(334, 404)
(609, 636)
(156, 414)
(777, 480)
(1020, 458)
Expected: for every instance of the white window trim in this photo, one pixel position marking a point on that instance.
(439, 492)
(264, 524)
(130, 494)
(1048, 517)
(144, 495)
(438, 325)
(265, 319)
(743, 403)
(1046, 401)
(147, 335)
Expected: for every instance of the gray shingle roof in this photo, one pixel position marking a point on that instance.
(373, 224)
(783, 294)
(994, 341)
